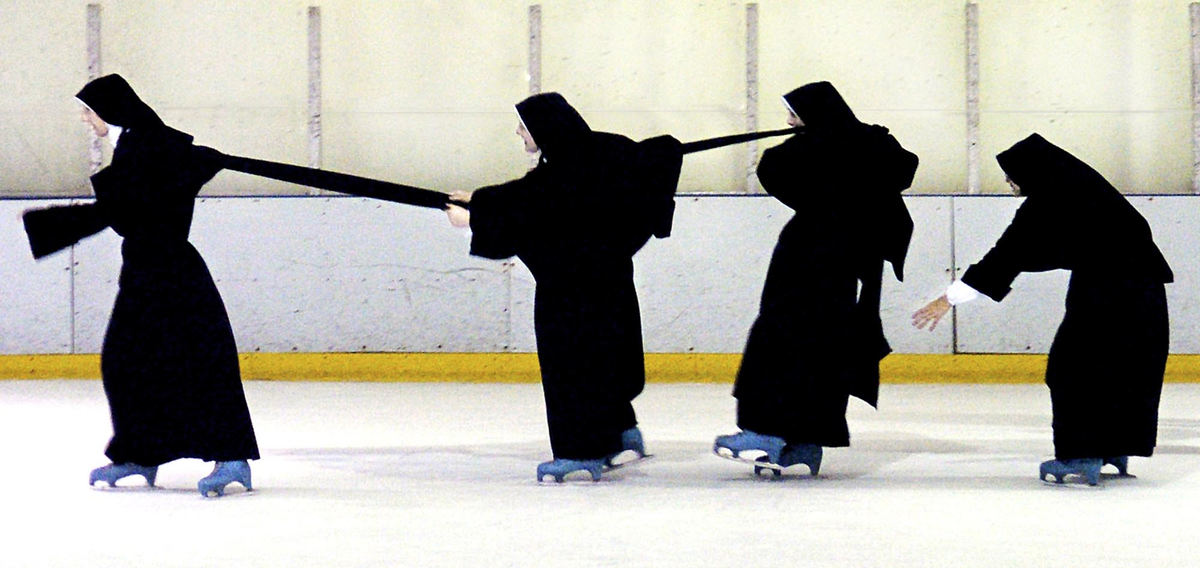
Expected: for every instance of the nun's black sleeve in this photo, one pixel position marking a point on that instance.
(1035, 241)
(781, 166)
(52, 229)
(500, 218)
(201, 165)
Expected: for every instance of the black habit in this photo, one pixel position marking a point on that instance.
(576, 221)
(818, 338)
(169, 363)
(1105, 367)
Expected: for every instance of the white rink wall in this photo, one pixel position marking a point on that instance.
(320, 274)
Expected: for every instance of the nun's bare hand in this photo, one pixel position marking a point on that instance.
(931, 314)
(459, 217)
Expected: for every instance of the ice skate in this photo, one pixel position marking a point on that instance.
(1089, 468)
(113, 472)
(633, 450)
(750, 447)
(1121, 463)
(560, 468)
(807, 454)
(223, 474)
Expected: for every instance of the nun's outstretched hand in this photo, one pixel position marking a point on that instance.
(459, 217)
(931, 314)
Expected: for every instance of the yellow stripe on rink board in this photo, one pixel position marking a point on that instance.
(523, 367)
(962, 369)
(392, 367)
(50, 366)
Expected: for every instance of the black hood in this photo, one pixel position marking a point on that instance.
(820, 106)
(114, 101)
(555, 126)
(1041, 168)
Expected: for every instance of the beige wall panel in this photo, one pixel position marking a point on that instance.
(1136, 152)
(417, 149)
(234, 74)
(1108, 80)
(240, 131)
(721, 170)
(898, 63)
(423, 92)
(647, 68)
(43, 63)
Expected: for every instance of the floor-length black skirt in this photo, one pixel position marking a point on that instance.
(1105, 367)
(169, 363)
(589, 343)
(793, 382)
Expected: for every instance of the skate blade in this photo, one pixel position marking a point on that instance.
(577, 477)
(634, 460)
(1073, 482)
(104, 487)
(756, 458)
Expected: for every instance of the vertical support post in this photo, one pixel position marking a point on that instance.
(751, 93)
(95, 153)
(95, 156)
(952, 202)
(534, 72)
(973, 151)
(1194, 11)
(314, 88)
(535, 49)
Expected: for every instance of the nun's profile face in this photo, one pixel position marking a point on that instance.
(1016, 189)
(530, 145)
(793, 120)
(99, 127)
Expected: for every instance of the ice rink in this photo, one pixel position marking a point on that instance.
(404, 474)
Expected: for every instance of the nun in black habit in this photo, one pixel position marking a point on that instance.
(1105, 366)
(168, 362)
(818, 338)
(575, 220)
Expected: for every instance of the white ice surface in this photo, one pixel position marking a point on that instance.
(362, 474)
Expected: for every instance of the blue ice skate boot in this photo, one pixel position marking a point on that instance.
(223, 474)
(760, 448)
(631, 441)
(1120, 462)
(807, 454)
(559, 468)
(113, 472)
(1087, 467)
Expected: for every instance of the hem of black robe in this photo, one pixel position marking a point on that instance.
(568, 442)
(835, 433)
(147, 461)
(589, 452)
(1108, 452)
(1068, 447)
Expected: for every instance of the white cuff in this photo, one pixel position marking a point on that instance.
(959, 293)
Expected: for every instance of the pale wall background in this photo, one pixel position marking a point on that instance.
(422, 91)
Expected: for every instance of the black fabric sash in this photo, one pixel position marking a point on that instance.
(420, 197)
(339, 182)
(55, 228)
(710, 143)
